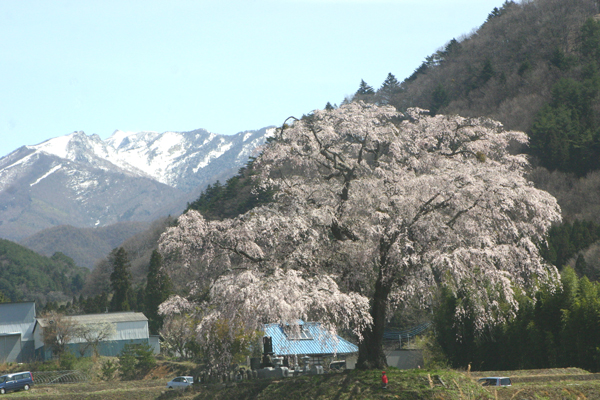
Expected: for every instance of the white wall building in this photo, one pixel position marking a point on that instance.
(127, 328)
(16, 331)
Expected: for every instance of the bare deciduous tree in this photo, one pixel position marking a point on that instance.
(58, 331)
(92, 334)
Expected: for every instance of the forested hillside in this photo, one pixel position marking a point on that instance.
(139, 249)
(86, 246)
(239, 194)
(535, 67)
(558, 329)
(27, 276)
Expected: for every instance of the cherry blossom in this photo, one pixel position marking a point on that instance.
(373, 207)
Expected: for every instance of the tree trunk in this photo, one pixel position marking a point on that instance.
(370, 350)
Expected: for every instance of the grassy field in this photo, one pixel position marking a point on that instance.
(557, 384)
(132, 390)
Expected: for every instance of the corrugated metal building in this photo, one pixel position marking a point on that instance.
(16, 331)
(128, 328)
(311, 340)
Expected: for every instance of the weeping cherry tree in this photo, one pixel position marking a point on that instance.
(372, 207)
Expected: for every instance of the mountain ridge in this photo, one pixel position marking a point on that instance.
(84, 181)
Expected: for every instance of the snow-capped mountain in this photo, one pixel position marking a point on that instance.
(84, 181)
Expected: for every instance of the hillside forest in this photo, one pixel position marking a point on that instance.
(534, 66)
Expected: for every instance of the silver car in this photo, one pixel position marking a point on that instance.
(180, 382)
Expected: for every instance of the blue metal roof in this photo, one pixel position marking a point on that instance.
(315, 340)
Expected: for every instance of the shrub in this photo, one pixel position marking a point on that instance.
(135, 361)
(67, 361)
(108, 369)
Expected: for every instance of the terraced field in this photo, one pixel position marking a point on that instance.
(546, 384)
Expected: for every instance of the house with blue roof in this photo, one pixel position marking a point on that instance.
(310, 340)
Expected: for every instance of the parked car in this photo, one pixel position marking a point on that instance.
(337, 365)
(180, 382)
(495, 381)
(16, 381)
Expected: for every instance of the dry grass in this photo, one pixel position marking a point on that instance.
(550, 384)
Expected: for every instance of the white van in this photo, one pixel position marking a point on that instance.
(495, 381)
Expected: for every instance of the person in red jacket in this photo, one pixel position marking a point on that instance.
(384, 380)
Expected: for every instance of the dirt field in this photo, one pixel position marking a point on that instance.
(547, 384)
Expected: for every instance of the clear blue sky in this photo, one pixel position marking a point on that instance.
(221, 65)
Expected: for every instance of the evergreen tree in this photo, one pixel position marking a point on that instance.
(388, 90)
(439, 99)
(102, 302)
(158, 288)
(590, 39)
(364, 93)
(487, 72)
(241, 193)
(329, 107)
(565, 134)
(581, 266)
(495, 13)
(550, 136)
(364, 88)
(120, 280)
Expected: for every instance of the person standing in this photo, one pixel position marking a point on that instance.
(384, 380)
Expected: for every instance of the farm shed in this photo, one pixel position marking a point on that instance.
(125, 328)
(16, 331)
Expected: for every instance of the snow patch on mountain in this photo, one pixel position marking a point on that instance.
(53, 170)
(11, 172)
(212, 155)
(57, 146)
(22, 161)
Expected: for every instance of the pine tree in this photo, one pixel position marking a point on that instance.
(102, 302)
(158, 289)
(487, 72)
(388, 90)
(120, 280)
(364, 88)
(364, 93)
(581, 266)
(439, 99)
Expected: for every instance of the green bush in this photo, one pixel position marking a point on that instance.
(67, 361)
(135, 361)
(108, 369)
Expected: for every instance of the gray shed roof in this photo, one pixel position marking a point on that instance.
(115, 317)
(17, 313)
